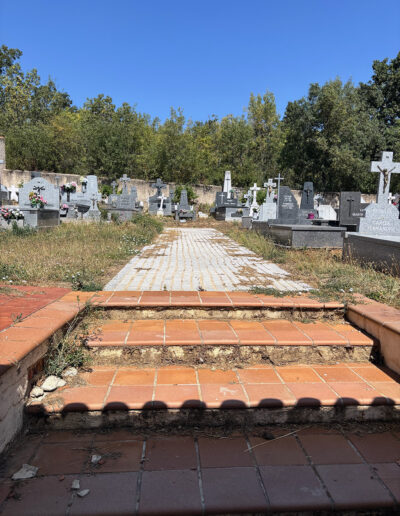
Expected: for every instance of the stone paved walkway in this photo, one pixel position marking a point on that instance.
(197, 258)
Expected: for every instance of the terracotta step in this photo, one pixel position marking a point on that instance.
(200, 396)
(194, 341)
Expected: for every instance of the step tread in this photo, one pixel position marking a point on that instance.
(173, 332)
(122, 388)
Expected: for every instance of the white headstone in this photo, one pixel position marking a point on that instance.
(386, 167)
(254, 205)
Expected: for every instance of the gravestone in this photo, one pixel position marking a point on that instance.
(184, 210)
(307, 204)
(287, 209)
(382, 218)
(47, 216)
(93, 213)
(126, 204)
(350, 209)
(158, 203)
(254, 208)
(268, 208)
(226, 202)
(326, 212)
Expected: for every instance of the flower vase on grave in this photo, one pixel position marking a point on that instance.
(68, 196)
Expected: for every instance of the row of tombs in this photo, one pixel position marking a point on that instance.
(42, 204)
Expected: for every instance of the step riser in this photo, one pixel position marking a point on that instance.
(230, 356)
(185, 419)
(298, 314)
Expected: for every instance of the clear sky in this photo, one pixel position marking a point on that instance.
(204, 56)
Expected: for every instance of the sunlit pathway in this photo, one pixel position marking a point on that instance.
(197, 258)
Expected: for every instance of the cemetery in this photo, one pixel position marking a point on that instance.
(199, 316)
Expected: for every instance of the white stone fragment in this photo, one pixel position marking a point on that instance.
(52, 383)
(36, 392)
(83, 493)
(70, 371)
(95, 459)
(76, 484)
(27, 471)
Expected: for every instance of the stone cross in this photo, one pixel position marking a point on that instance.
(114, 185)
(386, 167)
(124, 180)
(279, 179)
(307, 191)
(159, 185)
(269, 186)
(253, 208)
(350, 200)
(228, 184)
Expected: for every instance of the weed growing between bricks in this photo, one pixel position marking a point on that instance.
(323, 269)
(77, 255)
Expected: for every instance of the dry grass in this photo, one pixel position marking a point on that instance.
(323, 269)
(81, 256)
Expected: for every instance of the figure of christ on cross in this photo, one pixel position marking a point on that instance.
(386, 167)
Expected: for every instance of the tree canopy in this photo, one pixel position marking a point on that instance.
(328, 136)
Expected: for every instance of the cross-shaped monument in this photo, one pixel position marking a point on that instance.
(307, 190)
(124, 180)
(269, 185)
(386, 167)
(350, 200)
(228, 184)
(114, 185)
(254, 206)
(159, 185)
(279, 179)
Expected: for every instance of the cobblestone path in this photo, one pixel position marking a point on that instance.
(197, 258)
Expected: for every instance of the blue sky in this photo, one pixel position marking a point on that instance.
(204, 56)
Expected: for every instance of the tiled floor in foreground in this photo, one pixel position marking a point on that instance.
(198, 258)
(303, 469)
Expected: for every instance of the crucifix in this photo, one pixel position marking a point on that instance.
(94, 202)
(254, 206)
(350, 200)
(39, 189)
(279, 179)
(307, 191)
(114, 185)
(124, 180)
(269, 186)
(386, 167)
(159, 185)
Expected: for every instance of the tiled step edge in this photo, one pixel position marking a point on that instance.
(383, 323)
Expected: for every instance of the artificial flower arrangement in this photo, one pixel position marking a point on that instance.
(36, 200)
(11, 214)
(65, 207)
(69, 187)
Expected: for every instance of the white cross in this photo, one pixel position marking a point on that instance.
(386, 167)
(269, 186)
(254, 206)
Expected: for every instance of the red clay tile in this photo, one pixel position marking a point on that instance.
(60, 459)
(226, 452)
(244, 299)
(176, 376)
(214, 299)
(217, 332)
(124, 298)
(109, 494)
(313, 394)
(354, 336)
(21, 453)
(232, 491)
(182, 332)
(223, 396)
(148, 332)
(217, 376)
(177, 396)
(252, 333)
(54, 502)
(129, 397)
(378, 447)
(286, 333)
(353, 487)
(329, 449)
(135, 376)
(114, 435)
(354, 393)
(153, 298)
(390, 390)
(107, 338)
(294, 488)
(373, 374)
(321, 334)
(68, 436)
(98, 376)
(265, 375)
(170, 453)
(177, 492)
(336, 373)
(269, 395)
(272, 301)
(300, 374)
(185, 299)
(390, 474)
(115, 325)
(118, 456)
(283, 451)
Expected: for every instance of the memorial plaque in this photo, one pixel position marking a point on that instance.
(350, 210)
(288, 209)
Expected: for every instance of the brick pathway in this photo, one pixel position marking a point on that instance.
(18, 302)
(196, 258)
(311, 469)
